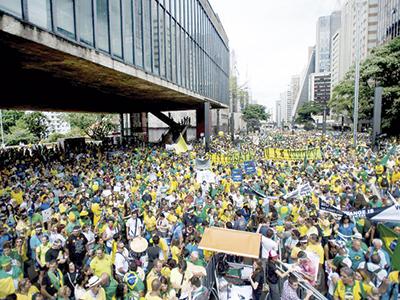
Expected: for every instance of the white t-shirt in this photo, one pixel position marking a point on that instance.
(267, 245)
(121, 261)
(132, 224)
(379, 272)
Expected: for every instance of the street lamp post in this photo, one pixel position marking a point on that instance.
(2, 129)
(377, 120)
(357, 73)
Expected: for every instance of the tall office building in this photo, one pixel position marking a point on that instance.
(303, 94)
(389, 20)
(335, 60)
(291, 95)
(359, 24)
(284, 105)
(320, 88)
(327, 26)
(278, 113)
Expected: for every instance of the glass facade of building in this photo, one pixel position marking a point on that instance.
(173, 39)
(389, 20)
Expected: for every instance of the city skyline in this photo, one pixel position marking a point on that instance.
(268, 64)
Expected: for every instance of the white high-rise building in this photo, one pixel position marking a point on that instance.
(291, 95)
(56, 122)
(284, 105)
(359, 24)
(278, 113)
(335, 60)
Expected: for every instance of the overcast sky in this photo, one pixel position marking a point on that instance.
(270, 39)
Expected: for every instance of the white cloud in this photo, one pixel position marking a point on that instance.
(271, 39)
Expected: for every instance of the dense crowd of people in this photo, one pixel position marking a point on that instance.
(118, 222)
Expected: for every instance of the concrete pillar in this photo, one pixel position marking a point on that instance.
(121, 124)
(218, 121)
(207, 124)
(199, 122)
(145, 126)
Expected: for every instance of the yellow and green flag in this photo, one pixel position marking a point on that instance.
(391, 244)
(181, 145)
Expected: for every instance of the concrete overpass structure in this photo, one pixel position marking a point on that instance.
(121, 56)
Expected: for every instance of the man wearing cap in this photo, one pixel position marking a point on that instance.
(95, 292)
(9, 276)
(77, 246)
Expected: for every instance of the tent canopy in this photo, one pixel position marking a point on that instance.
(230, 241)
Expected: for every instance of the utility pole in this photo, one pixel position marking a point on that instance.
(2, 129)
(357, 73)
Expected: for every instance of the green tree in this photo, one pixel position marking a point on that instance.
(96, 126)
(383, 66)
(253, 114)
(10, 118)
(19, 133)
(255, 111)
(304, 115)
(37, 124)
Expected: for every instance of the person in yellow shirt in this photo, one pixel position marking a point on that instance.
(154, 293)
(17, 194)
(176, 250)
(41, 251)
(349, 288)
(26, 290)
(102, 263)
(150, 221)
(154, 273)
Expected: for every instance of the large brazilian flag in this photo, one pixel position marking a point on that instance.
(391, 244)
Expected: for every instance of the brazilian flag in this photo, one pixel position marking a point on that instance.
(391, 244)
(386, 158)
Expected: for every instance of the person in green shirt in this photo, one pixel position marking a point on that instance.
(109, 285)
(356, 254)
(135, 284)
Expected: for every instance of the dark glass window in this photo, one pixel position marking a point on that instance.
(128, 31)
(162, 40)
(147, 35)
(85, 12)
(138, 33)
(116, 29)
(39, 13)
(156, 39)
(12, 7)
(102, 25)
(65, 18)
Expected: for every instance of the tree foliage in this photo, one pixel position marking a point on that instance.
(37, 124)
(10, 118)
(383, 66)
(304, 115)
(96, 126)
(19, 133)
(255, 111)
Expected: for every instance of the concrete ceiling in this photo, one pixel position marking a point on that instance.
(37, 77)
